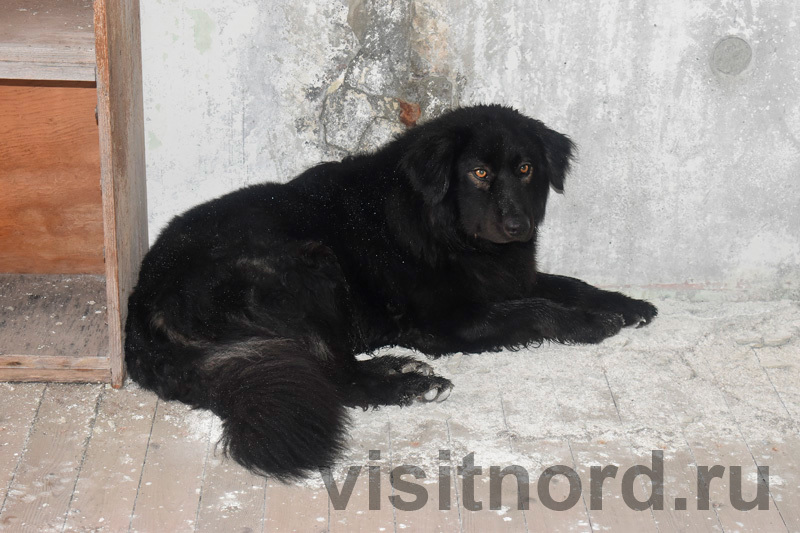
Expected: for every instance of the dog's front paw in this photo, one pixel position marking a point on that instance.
(591, 327)
(636, 313)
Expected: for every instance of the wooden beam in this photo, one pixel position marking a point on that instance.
(60, 375)
(44, 362)
(121, 120)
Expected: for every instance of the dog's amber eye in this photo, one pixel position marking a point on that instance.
(524, 168)
(480, 173)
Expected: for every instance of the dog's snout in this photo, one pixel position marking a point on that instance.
(516, 226)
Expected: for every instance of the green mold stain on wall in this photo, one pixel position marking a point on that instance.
(203, 29)
(153, 142)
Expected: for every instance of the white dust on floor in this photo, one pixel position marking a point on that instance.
(718, 371)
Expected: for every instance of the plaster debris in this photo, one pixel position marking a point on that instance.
(687, 377)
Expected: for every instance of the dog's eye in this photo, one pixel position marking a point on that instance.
(480, 173)
(524, 168)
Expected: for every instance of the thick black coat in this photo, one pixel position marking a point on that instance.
(255, 304)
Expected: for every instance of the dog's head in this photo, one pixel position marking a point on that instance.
(491, 165)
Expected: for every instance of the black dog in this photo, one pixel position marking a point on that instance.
(255, 304)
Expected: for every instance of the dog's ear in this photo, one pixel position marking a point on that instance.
(428, 162)
(558, 152)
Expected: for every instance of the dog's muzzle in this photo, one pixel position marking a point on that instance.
(517, 227)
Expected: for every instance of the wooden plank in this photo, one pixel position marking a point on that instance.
(39, 498)
(366, 434)
(486, 436)
(783, 460)
(508, 518)
(358, 516)
(727, 454)
(106, 489)
(615, 514)
(750, 390)
(46, 40)
(15, 427)
(543, 454)
(169, 491)
(72, 375)
(52, 362)
(232, 499)
(529, 430)
(680, 482)
(418, 433)
(50, 209)
(782, 366)
(301, 508)
(600, 437)
(643, 383)
(52, 316)
(121, 121)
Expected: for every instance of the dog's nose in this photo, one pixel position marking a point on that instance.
(516, 226)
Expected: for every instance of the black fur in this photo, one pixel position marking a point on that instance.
(255, 304)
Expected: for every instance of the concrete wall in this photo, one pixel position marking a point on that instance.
(686, 114)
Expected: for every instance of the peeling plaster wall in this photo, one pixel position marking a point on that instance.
(686, 113)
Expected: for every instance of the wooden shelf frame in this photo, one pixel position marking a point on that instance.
(121, 121)
(47, 40)
(98, 42)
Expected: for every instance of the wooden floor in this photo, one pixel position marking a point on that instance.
(54, 327)
(706, 384)
(53, 315)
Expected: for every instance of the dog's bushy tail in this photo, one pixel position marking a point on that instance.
(281, 416)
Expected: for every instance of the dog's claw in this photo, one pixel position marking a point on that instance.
(438, 393)
(444, 394)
